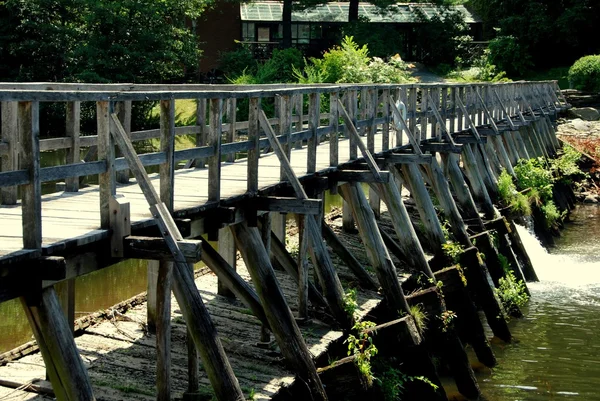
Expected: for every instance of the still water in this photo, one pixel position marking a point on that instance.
(557, 356)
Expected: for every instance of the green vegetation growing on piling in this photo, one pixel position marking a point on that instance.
(512, 292)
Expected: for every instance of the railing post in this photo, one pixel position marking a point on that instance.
(314, 110)
(232, 133)
(10, 161)
(411, 107)
(299, 107)
(73, 113)
(201, 123)
(123, 110)
(285, 127)
(385, 113)
(29, 133)
(334, 124)
(422, 134)
(167, 145)
(253, 138)
(214, 141)
(106, 152)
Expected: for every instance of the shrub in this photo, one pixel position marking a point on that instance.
(507, 54)
(552, 216)
(237, 62)
(350, 63)
(512, 292)
(585, 73)
(532, 174)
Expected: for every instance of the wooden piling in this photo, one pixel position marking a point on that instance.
(64, 366)
(278, 314)
(375, 248)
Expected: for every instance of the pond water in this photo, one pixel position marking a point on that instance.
(557, 353)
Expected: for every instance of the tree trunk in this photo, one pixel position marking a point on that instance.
(287, 24)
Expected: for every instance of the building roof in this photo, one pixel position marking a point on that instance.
(271, 11)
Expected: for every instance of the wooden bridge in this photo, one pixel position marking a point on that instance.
(261, 152)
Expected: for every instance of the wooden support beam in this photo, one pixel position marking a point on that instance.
(411, 176)
(155, 248)
(228, 252)
(254, 139)
(468, 323)
(375, 248)
(449, 208)
(288, 205)
(364, 278)
(303, 270)
(441, 147)
(358, 176)
(395, 158)
(163, 331)
(478, 188)
(202, 329)
(484, 294)
(123, 110)
(278, 314)
(232, 280)
(444, 340)
(231, 135)
(412, 252)
(167, 145)
(290, 266)
(330, 282)
(64, 366)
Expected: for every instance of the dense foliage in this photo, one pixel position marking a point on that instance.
(546, 33)
(98, 41)
(585, 73)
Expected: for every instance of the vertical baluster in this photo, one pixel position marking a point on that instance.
(73, 114)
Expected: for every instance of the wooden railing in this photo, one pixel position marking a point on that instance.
(302, 115)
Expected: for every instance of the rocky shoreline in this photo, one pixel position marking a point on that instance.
(581, 129)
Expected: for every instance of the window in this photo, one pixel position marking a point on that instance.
(264, 34)
(248, 32)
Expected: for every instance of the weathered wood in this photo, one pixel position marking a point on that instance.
(232, 280)
(395, 158)
(288, 205)
(478, 188)
(365, 279)
(285, 127)
(67, 302)
(155, 248)
(192, 353)
(29, 159)
(302, 268)
(106, 152)
(280, 318)
(448, 206)
(443, 339)
(330, 282)
(314, 106)
(468, 324)
(196, 316)
(290, 266)
(73, 123)
(163, 331)
(214, 141)
(375, 248)
(483, 292)
(228, 252)
(167, 145)
(151, 313)
(254, 152)
(10, 160)
(231, 136)
(65, 368)
(355, 135)
(408, 242)
(411, 176)
(334, 135)
(120, 225)
(359, 176)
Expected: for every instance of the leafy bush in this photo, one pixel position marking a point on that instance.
(350, 63)
(385, 41)
(532, 174)
(509, 195)
(552, 216)
(512, 292)
(585, 73)
(238, 62)
(507, 54)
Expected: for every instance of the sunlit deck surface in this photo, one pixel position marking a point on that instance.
(73, 218)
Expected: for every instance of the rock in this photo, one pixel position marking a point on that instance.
(580, 125)
(591, 198)
(586, 113)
